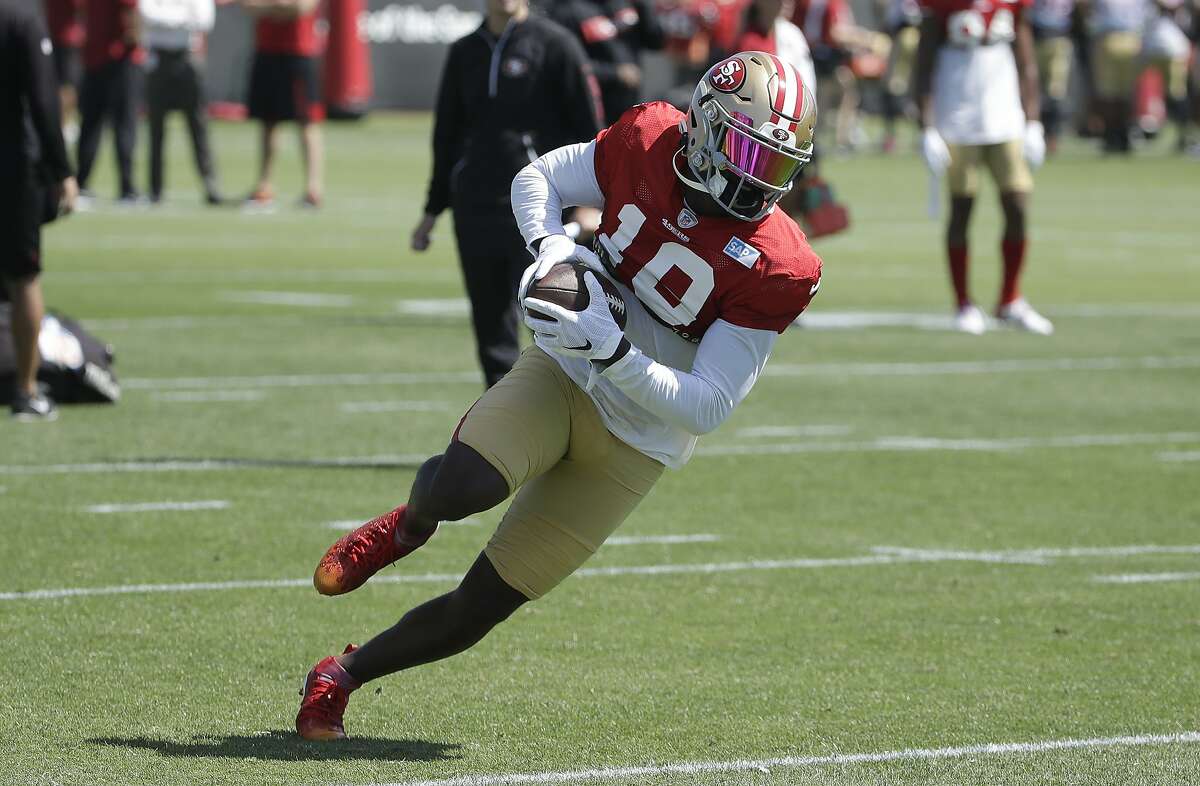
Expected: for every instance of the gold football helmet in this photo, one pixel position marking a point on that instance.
(749, 132)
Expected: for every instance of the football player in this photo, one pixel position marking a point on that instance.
(588, 419)
(977, 99)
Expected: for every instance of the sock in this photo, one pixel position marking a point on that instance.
(958, 273)
(1014, 259)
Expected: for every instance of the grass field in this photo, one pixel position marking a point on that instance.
(905, 540)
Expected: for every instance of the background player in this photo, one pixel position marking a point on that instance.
(587, 420)
(977, 99)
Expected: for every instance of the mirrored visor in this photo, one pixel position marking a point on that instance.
(755, 158)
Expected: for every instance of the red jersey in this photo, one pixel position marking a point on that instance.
(63, 22)
(690, 270)
(291, 36)
(974, 22)
(109, 31)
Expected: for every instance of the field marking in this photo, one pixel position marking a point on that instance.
(637, 540)
(922, 444)
(349, 524)
(209, 396)
(148, 507)
(793, 762)
(970, 367)
(305, 299)
(882, 444)
(938, 368)
(444, 307)
(439, 307)
(1043, 556)
(1180, 455)
(303, 380)
(883, 555)
(214, 465)
(761, 432)
(1144, 578)
(378, 407)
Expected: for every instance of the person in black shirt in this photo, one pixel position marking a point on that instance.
(613, 33)
(517, 87)
(36, 185)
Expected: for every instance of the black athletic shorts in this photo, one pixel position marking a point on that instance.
(22, 203)
(284, 87)
(68, 65)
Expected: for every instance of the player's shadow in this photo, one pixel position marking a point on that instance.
(279, 745)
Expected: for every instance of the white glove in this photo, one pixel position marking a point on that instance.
(591, 333)
(934, 151)
(552, 250)
(1035, 144)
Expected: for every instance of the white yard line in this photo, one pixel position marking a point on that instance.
(637, 540)
(883, 555)
(305, 299)
(349, 524)
(378, 407)
(148, 507)
(1145, 578)
(922, 444)
(969, 367)
(209, 396)
(761, 432)
(443, 307)
(302, 380)
(939, 368)
(210, 465)
(1035, 556)
(882, 444)
(794, 762)
(1180, 455)
(440, 578)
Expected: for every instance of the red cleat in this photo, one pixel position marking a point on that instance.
(364, 552)
(326, 692)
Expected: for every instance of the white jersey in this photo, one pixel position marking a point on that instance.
(976, 97)
(792, 47)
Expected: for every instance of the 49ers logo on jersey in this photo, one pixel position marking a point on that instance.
(728, 76)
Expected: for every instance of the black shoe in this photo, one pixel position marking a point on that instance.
(213, 198)
(33, 408)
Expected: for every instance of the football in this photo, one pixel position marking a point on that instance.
(564, 286)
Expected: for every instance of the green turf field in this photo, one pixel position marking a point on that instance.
(905, 539)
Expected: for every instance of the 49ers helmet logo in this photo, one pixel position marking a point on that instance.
(728, 76)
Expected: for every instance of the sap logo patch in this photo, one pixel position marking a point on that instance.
(742, 251)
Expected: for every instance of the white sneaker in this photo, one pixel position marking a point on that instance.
(1020, 314)
(970, 319)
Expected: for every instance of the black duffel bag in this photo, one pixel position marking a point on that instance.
(76, 366)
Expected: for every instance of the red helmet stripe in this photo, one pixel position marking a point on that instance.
(789, 95)
(781, 92)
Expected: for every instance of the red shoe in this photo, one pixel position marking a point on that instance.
(326, 692)
(364, 552)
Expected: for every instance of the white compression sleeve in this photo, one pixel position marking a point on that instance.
(565, 177)
(727, 364)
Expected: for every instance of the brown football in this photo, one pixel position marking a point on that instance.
(564, 286)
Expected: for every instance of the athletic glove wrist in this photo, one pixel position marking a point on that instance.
(592, 333)
(551, 250)
(934, 151)
(1035, 144)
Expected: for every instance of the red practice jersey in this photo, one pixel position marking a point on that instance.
(690, 270)
(974, 22)
(288, 36)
